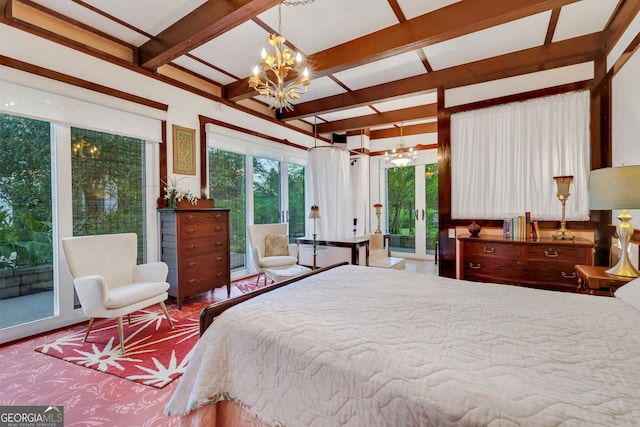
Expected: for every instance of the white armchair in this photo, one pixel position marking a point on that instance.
(266, 257)
(107, 280)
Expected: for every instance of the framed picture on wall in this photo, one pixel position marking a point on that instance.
(184, 150)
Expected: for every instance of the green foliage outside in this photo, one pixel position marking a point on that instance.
(25, 192)
(227, 187)
(296, 202)
(107, 188)
(402, 204)
(266, 191)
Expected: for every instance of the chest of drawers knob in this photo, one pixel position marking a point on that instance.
(474, 266)
(487, 250)
(551, 253)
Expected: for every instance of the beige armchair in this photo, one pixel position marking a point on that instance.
(107, 280)
(271, 248)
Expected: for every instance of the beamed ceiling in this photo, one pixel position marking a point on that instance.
(374, 63)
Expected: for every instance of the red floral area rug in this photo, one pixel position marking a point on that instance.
(154, 355)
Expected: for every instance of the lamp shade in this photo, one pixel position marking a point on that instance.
(563, 183)
(315, 212)
(615, 188)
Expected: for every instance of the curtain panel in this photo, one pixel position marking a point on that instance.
(504, 158)
(327, 177)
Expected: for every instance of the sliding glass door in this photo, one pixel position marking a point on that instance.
(27, 291)
(257, 190)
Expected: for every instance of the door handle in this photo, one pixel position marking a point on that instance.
(423, 214)
(416, 214)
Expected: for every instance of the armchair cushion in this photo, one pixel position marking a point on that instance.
(123, 296)
(276, 245)
(277, 262)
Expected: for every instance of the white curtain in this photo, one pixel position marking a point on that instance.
(504, 158)
(359, 175)
(327, 177)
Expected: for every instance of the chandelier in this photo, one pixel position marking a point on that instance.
(402, 155)
(269, 78)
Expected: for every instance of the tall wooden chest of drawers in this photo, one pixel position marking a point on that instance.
(544, 263)
(195, 246)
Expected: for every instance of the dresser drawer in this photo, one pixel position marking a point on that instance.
(490, 269)
(200, 263)
(200, 217)
(193, 230)
(554, 272)
(203, 245)
(490, 249)
(569, 255)
(192, 283)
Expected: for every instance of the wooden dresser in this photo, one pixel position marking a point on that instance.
(195, 246)
(544, 263)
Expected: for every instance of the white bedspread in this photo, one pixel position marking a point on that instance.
(361, 346)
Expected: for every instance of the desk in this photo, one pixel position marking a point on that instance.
(594, 280)
(354, 244)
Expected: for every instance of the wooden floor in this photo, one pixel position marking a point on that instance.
(92, 398)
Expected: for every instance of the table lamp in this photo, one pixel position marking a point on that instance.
(315, 214)
(563, 183)
(617, 188)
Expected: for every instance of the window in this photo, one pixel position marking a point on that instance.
(26, 243)
(228, 188)
(108, 185)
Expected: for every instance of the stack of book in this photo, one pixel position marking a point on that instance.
(520, 228)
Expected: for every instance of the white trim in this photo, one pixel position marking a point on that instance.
(41, 98)
(250, 145)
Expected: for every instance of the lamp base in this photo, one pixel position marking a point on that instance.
(624, 267)
(563, 235)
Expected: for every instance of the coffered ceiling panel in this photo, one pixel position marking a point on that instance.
(378, 72)
(412, 8)
(325, 23)
(510, 37)
(584, 17)
(237, 51)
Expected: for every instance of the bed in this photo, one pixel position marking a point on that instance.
(362, 346)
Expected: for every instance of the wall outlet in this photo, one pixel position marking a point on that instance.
(452, 233)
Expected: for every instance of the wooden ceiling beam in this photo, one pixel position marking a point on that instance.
(626, 12)
(407, 130)
(389, 117)
(559, 54)
(443, 24)
(206, 22)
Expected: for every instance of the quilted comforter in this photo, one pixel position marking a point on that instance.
(361, 346)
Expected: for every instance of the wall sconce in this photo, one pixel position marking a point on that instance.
(563, 183)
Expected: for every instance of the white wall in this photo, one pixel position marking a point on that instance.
(626, 121)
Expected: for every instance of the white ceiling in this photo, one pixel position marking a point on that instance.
(323, 24)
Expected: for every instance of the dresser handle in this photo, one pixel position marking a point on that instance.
(191, 247)
(192, 281)
(192, 264)
(190, 217)
(488, 250)
(218, 216)
(568, 276)
(219, 274)
(219, 259)
(191, 230)
(218, 243)
(551, 255)
(475, 267)
(218, 228)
